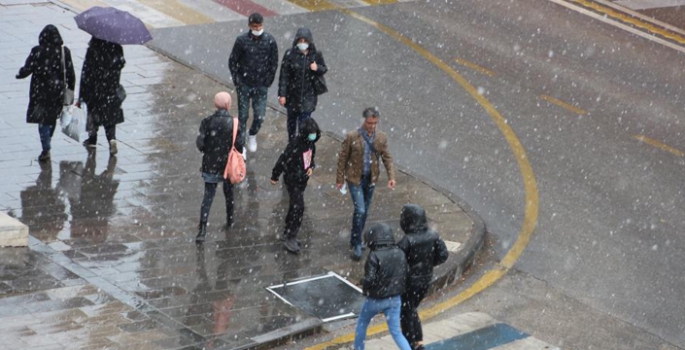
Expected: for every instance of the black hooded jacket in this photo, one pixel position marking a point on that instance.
(214, 141)
(47, 82)
(100, 79)
(385, 271)
(296, 82)
(254, 60)
(423, 247)
(291, 162)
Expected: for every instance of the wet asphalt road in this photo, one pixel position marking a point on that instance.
(609, 230)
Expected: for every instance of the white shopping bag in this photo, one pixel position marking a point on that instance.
(73, 122)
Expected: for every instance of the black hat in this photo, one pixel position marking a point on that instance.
(255, 18)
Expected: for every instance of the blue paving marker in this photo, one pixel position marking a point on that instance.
(480, 339)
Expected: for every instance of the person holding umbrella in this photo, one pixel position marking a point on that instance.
(100, 88)
(51, 66)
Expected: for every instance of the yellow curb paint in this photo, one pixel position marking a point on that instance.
(631, 20)
(659, 145)
(563, 104)
(83, 5)
(315, 5)
(529, 184)
(475, 67)
(379, 2)
(174, 9)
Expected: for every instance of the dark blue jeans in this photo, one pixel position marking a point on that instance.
(361, 197)
(294, 120)
(258, 96)
(210, 191)
(46, 131)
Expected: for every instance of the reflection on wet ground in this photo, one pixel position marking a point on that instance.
(113, 263)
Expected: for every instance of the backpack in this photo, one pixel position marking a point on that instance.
(235, 166)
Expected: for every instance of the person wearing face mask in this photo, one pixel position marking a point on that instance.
(253, 64)
(359, 165)
(301, 66)
(297, 164)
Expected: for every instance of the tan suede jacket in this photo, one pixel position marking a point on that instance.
(351, 158)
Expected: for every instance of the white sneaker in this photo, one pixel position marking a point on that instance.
(244, 153)
(252, 143)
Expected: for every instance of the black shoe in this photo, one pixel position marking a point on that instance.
(201, 233)
(44, 156)
(227, 226)
(90, 143)
(292, 246)
(357, 252)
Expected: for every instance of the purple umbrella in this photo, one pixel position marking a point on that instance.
(110, 24)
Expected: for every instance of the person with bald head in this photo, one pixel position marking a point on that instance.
(214, 141)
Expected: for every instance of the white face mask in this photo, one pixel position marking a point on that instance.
(257, 32)
(302, 46)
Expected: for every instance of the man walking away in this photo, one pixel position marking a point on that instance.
(253, 64)
(358, 164)
(424, 249)
(385, 275)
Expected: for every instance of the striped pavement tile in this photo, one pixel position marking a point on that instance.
(473, 331)
(173, 13)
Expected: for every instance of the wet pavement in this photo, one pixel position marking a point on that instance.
(112, 261)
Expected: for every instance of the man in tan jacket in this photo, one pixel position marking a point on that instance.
(358, 163)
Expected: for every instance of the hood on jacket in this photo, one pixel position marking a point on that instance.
(50, 36)
(413, 219)
(379, 235)
(307, 35)
(309, 126)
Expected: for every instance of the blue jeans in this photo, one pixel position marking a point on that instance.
(294, 120)
(258, 96)
(361, 197)
(46, 131)
(390, 307)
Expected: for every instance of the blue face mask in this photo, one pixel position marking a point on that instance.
(311, 137)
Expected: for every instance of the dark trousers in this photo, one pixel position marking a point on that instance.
(258, 97)
(293, 220)
(409, 315)
(45, 131)
(210, 191)
(110, 133)
(293, 122)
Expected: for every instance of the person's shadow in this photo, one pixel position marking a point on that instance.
(91, 197)
(42, 208)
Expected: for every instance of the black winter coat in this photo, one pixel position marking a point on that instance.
(254, 60)
(385, 271)
(100, 79)
(422, 246)
(296, 82)
(47, 81)
(291, 161)
(214, 141)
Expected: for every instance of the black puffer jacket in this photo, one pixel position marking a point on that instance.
(385, 272)
(214, 141)
(47, 83)
(254, 60)
(291, 161)
(296, 82)
(100, 79)
(423, 246)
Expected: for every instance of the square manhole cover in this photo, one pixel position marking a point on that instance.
(328, 297)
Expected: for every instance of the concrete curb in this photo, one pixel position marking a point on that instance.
(13, 233)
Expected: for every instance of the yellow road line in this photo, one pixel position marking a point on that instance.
(563, 104)
(315, 5)
(659, 145)
(380, 2)
(529, 184)
(175, 9)
(631, 20)
(475, 67)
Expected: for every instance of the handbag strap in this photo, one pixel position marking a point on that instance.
(64, 68)
(235, 131)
